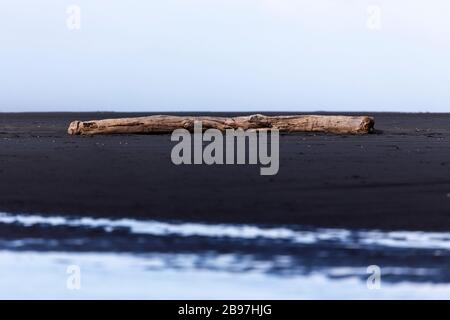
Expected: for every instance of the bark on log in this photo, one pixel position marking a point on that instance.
(166, 124)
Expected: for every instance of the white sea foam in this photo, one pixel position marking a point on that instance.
(38, 275)
(398, 239)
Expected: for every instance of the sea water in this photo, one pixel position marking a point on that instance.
(148, 259)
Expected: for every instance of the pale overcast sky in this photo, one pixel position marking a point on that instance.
(211, 55)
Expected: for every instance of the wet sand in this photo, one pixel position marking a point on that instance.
(398, 178)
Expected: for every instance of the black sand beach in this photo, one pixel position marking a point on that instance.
(397, 178)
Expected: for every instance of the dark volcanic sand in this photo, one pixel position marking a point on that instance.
(397, 179)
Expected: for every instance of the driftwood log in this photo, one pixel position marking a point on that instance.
(167, 123)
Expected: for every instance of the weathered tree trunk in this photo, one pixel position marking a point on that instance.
(166, 124)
